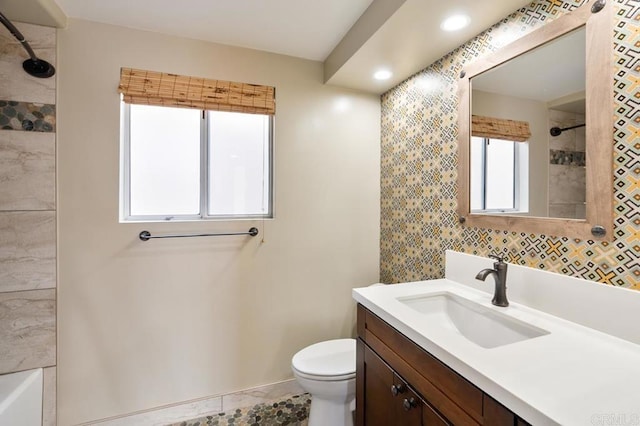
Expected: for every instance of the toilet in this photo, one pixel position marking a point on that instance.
(327, 371)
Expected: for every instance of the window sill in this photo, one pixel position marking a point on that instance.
(197, 220)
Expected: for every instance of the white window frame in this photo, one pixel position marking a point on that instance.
(125, 187)
(520, 171)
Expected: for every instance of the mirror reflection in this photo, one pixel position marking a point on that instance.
(527, 148)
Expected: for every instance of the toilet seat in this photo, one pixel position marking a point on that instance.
(325, 378)
(329, 360)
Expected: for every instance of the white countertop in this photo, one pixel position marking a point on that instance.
(574, 375)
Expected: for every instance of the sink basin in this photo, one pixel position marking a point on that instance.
(483, 326)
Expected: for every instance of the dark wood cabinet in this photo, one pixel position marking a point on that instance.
(390, 400)
(399, 383)
(381, 403)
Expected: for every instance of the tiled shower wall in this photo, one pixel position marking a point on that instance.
(567, 173)
(419, 166)
(28, 212)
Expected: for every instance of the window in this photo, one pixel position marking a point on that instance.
(195, 148)
(184, 164)
(499, 175)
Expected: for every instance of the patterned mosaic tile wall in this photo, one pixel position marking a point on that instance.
(27, 116)
(419, 166)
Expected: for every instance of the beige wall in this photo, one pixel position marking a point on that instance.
(147, 324)
(534, 112)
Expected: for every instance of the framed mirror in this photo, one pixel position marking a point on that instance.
(536, 131)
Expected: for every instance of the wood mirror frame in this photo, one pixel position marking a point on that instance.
(597, 16)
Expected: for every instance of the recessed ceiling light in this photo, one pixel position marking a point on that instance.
(382, 75)
(455, 22)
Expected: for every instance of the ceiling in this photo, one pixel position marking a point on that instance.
(411, 39)
(353, 38)
(307, 29)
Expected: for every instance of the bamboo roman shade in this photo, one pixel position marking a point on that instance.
(498, 128)
(172, 90)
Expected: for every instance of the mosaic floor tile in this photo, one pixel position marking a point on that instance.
(292, 411)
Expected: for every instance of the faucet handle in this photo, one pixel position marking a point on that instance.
(498, 257)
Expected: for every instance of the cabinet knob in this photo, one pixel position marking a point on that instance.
(397, 389)
(409, 403)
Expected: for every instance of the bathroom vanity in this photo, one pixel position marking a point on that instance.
(398, 382)
(438, 352)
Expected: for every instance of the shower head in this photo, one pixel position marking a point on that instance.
(33, 66)
(38, 68)
(555, 131)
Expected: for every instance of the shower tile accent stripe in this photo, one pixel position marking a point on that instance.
(419, 166)
(567, 158)
(27, 116)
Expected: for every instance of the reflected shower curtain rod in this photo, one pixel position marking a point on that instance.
(556, 131)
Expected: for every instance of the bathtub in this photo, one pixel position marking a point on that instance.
(21, 398)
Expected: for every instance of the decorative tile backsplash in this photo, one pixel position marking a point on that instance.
(419, 166)
(27, 116)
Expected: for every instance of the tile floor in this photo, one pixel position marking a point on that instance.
(291, 411)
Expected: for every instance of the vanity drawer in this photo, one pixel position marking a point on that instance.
(448, 392)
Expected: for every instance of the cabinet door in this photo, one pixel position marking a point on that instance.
(430, 417)
(379, 402)
(388, 400)
(416, 410)
(409, 405)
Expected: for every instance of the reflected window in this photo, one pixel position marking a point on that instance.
(498, 181)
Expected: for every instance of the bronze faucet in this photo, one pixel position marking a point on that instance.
(499, 273)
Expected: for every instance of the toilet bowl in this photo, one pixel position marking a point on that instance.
(327, 370)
